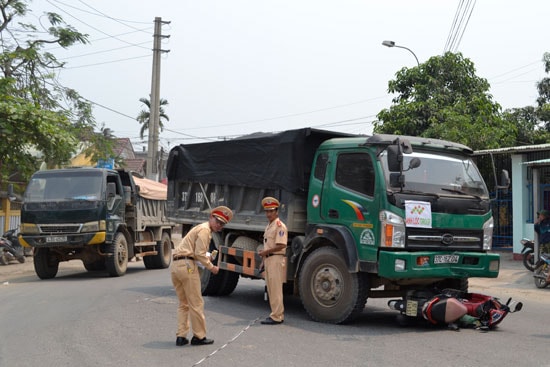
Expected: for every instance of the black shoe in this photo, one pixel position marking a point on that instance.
(203, 341)
(181, 341)
(270, 321)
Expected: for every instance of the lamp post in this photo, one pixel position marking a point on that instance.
(392, 44)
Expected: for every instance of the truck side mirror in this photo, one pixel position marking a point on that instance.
(111, 190)
(504, 179)
(395, 158)
(11, 195)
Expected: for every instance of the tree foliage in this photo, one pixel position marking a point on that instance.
(443, 98)
(144, 116)
(543, 101)
(37, 115)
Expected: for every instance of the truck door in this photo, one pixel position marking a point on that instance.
(348, 198)
(115, 205)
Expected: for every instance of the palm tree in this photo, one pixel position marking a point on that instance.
(145, 115)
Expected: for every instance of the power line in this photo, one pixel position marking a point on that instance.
(106, 62)
(459, 24)
(92, 27)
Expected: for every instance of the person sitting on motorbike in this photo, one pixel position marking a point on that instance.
(542, 228)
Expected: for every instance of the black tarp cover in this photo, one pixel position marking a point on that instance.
(262, 160)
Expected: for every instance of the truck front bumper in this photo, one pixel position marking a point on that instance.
(429, 264)
(65, 240)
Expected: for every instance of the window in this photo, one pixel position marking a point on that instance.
(321, 166)
(355, 171)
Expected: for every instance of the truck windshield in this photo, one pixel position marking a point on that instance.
(442, 175)
(63, 187)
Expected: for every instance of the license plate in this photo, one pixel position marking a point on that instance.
(56, 239)
(446, 259)
(412, 308)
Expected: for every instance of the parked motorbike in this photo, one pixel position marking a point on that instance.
(454, 308)
(11, 235)
(8, 252)
(528, 252)
(541, 271)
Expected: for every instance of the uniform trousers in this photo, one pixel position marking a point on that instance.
(191, 305)
(275, 276)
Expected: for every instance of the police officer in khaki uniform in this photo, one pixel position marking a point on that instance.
(186, 279)
(273, 252)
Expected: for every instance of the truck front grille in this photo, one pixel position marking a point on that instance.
(59, 228)
(444, 239)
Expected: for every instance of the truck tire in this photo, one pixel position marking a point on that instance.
(228, 283)
(117, 262)
(45, 265)
(245, 243)
(163, 258)
(329, 292)
(210, 283)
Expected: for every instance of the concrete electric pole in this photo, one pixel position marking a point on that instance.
(153, 141)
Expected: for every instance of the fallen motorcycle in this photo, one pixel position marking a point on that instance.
(9, 253)
(454, 308)
(541, 271)
(528, 252)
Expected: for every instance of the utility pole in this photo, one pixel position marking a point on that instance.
(154, 113)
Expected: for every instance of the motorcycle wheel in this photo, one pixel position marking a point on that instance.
(540, 276)
(529, 260)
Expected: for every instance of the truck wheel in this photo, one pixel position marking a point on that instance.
(210, 283)
(163, 258)
(329, 292)
(229, 281)
(117, 262)
(45, 265)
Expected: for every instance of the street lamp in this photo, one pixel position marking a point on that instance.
(392, 44)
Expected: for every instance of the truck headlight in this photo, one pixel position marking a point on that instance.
(392, 230)
(488, 234)
(93, 226)
(29, 228)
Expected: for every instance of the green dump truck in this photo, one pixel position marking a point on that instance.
(103, 217)
(367, 216)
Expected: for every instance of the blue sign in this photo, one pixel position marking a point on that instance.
(106, 163)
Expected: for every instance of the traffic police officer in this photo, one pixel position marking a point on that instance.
(273, 253)
(186, 279)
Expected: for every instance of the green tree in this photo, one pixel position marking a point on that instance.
(443, 98)
(543, 101)
(528, 125)
(144, 116)
(37, 115)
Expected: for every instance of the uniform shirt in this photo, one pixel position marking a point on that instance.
(195, 244)
(275, 233)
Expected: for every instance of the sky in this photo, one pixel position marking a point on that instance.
(235, 67)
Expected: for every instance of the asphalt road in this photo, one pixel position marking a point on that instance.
(90, 319)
